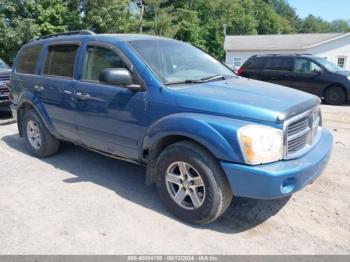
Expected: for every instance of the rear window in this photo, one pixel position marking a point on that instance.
(28, 59)
(60, 60)
(255, 63)
(279, 64)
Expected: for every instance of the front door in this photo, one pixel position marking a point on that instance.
(108, 117)
(308, 77)
(57, 86)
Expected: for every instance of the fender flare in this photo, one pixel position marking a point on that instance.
(215, 133)
(34, 102)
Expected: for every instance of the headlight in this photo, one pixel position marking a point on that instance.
(349, 78)
(261, 144)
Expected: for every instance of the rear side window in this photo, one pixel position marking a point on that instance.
(255, 63)
(28, 59)
(279, 64)
(60, 60)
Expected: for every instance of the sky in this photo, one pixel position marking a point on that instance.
(327, 9)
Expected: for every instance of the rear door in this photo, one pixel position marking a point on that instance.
(253, 68)
(308, 77)
(57, 84)
(108, 117)
(278, 70)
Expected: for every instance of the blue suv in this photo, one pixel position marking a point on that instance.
(204, 133)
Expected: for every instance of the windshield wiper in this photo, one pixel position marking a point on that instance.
(201, 80)
(212, 78)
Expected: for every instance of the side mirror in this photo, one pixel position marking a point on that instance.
(118, 77)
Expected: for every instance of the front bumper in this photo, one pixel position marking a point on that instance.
(5, 106)
(4, 97)
(281, 178)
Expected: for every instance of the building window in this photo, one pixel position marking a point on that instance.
(237, 61)
(342, 61)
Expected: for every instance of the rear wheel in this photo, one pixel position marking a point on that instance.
(38, 139)
(335, 95)
(191, 183)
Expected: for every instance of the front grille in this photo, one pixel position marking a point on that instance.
(4, 78)
(302, 132)
(4, 92)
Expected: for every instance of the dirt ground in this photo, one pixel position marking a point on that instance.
(79, 202)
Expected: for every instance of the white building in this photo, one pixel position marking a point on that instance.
(333, 46)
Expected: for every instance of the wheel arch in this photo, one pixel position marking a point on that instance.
(25, 105)
(182, 127)
(333, 85)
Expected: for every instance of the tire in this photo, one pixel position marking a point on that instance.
(335, 95)
(210, 184)
(38, 139)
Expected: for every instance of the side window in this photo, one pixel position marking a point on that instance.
(255, 64)
(279, 64)
(60, 60)
(303, 65)
(99, 58)
(28, 59)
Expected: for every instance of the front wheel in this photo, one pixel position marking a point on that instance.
(191, 183)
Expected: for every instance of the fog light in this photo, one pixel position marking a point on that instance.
(288, 186)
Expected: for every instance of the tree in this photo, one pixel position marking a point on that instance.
(200, 22)
(340, 26)
(313, 24)
(161, 18)
(111, 16)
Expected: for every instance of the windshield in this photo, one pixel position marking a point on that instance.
(329, 65)
(3, 65)
(178, 62)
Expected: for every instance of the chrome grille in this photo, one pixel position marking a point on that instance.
(297, 126)
(4, 78)
(4, 92)
(296, 144)
(302, 132)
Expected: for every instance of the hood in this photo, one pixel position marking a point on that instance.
(244, 98)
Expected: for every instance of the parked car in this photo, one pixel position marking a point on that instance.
(307, 73)
(204, 133)
(4, 87)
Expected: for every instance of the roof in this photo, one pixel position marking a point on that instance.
(278, 42)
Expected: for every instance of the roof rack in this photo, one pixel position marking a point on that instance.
(81, 32)
(286, 54)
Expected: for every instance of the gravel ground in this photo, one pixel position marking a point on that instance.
(79, 202)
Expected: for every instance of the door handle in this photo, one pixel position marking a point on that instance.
(82, 96)
(68, 92)
(38, 88)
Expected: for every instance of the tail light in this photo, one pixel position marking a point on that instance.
(240, 71)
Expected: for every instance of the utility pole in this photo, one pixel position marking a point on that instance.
(225, 28)
(140, 4)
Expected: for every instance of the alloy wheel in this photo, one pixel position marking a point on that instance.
(33, 134)
(185, 185)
